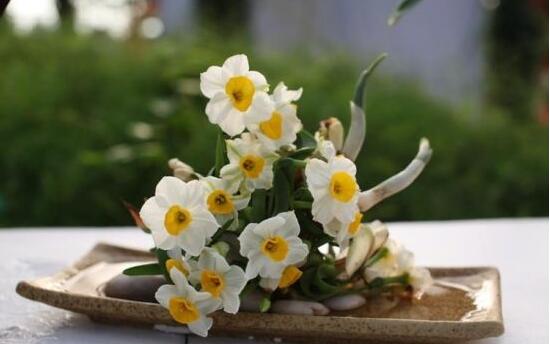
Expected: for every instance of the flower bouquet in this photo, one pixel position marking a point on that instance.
(278, 224)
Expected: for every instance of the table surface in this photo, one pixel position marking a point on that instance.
(517, 247)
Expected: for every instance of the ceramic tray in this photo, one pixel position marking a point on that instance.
(464, 304)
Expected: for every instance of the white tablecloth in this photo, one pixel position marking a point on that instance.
(518, 247)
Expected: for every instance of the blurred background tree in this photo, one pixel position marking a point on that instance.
(517, 52)
(90, 116)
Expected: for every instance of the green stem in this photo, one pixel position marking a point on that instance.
(301, 205)
(379, 255)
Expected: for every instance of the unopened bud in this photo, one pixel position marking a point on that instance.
(332, 129)
(181, 170)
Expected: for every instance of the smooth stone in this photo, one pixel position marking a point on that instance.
(137, 288)
(251, 302)
(345, 303)
(299, 307)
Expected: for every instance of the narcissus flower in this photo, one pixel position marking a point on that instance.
(178, 217)
(283, 124)
(222, 200)
(331, 129)
(272, 245)
(237, 95)
(186, 305)
(397, 260)
(217, 277)
(291, 274)
(250, 164)
(420, 279)
(334, 189)
(176, 260)
(343, 232)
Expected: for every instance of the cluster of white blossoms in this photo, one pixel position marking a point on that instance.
(189, 213)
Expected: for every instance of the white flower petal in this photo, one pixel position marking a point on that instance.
(234, 279)
(291, 226)
(341, 163)
(237, 64)
(163, 240)
(201, 326)
(180, 281)
(268, 227)
(152, 215)
(231, 302)
(165, 293)
(322, 210)
(345, 212)
(260, 110)
(317, 174)
(210, 259)
(212, 81)
(255, 263)
(233, 124)
(192, 240)
(269, 283)
(219, 108)
(272, 270)
(195, 192)
(208, 304)
(170, 188)
(258, 80)
(281, 94)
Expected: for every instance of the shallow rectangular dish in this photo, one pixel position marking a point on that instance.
(463, 305)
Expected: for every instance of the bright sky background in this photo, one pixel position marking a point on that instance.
(112, 16)
(26, 14)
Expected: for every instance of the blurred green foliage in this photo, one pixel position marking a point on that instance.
(86, 122)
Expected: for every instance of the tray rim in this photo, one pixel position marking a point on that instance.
(234, 324)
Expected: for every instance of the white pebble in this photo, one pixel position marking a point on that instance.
(346, 302)
(299, 307)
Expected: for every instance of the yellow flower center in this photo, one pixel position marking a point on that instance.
(252, 165)
(275, 248)
(273, 127)
(174, 263)
(240, 90)
(290, 275)
(177, 219)
(354, 225)
(219, 202)
(183, 310)
(342, 186)
(212, 282)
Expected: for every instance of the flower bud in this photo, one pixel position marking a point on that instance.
(332, 129)
(181, 170)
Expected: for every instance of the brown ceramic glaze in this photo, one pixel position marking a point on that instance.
(464, 304)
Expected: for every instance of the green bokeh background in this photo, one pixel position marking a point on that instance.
(70, 105)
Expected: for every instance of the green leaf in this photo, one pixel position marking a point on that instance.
(403, 6)
(311, 230)
(283, 185)
(359, 94)
(303, 194)
(265, 304)
(305, 139)
(325, 281)
(258, 206)
(306, 282)
(162, 257)
(301, 205)
(302, 153)
(143, 270)
(318, 283)
(221, 153)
